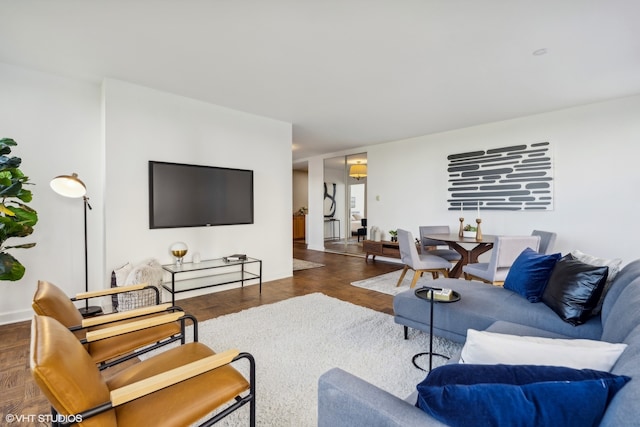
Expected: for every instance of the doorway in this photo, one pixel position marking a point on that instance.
(345, 203)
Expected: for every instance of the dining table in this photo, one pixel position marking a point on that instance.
(469, 253)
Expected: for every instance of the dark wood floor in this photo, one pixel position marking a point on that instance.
(19, 395)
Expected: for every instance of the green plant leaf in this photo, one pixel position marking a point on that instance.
(6, 144)
(9, 162)
(10, 268)
(12, 190)
(25, 246)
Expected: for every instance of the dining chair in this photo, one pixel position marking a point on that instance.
(419, 263)
(176, 387)
(505, 251)
(140, 330)
(428, 246)
(547, 240)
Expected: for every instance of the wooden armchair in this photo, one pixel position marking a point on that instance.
(114, 338)
(177, 387)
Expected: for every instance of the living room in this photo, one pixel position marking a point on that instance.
(107, 130)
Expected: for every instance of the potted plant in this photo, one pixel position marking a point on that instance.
(16, 218)
(394, 235)
(469, 231)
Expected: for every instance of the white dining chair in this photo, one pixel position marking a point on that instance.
(430, 246)
(505, 251)
(417, 262)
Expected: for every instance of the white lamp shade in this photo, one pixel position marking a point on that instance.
(68, 185)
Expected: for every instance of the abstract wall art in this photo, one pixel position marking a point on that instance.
(514, 178)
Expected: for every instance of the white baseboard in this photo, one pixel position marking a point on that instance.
(16, 316)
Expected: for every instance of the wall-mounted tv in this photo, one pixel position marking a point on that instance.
(182, 195)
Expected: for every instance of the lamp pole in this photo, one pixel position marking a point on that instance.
(72, 186)
(87, 311)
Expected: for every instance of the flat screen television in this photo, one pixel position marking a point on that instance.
(182, 195)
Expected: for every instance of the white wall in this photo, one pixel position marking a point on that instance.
(143, 124)
(56, 123)
(596, 171)
(107, 135)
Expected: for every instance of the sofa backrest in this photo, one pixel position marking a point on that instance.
(620, 314)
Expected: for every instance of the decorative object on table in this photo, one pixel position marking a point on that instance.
(16, 217)
(469, 231)
(375, 234)
(478, 231)
(461, 229)
(493, 166)
(394, 235)
(358, 171)
(179, 250)
(72, 186)
(196, 258)
(235, 258)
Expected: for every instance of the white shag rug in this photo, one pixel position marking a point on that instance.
(386, 283)
(297, 340)
(300, 264)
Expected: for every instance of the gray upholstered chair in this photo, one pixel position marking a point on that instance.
(547, 240)
(426, 244)
(417, 262)
(504, 252)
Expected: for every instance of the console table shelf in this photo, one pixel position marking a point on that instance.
(209, 273)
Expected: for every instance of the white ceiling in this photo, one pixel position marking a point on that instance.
(346, 73)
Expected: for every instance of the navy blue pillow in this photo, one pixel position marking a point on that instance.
(529, 274)
(501, 395)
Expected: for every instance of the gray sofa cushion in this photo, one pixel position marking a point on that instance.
(479, 307)
(628, 274)
(346, 400)
(624, 315)
(623, 409)
(510, 328)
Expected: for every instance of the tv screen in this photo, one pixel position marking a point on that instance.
(183, 195)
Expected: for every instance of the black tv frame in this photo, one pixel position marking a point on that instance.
(154, 224)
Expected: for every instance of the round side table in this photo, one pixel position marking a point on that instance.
(426, 293)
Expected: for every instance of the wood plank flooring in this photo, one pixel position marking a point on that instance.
(20, 396)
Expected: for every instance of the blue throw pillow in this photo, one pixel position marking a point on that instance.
(529, 274)
(503, 395)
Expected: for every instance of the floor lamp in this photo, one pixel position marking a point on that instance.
(72, 186)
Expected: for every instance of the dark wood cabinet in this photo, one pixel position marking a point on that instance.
(383, 248)
(299, 224)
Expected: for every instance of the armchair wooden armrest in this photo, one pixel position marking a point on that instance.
(111, 291)
(133, 326)
(114, 317)
(152, 384)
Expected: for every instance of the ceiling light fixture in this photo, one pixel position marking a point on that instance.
(358, 171)
(540, 52)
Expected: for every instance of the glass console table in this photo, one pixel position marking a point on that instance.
(208, 273)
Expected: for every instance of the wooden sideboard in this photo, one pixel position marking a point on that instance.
(299, 224)
(383, 248)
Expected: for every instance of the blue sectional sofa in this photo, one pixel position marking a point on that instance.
(346, 400)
